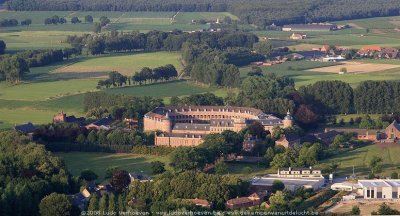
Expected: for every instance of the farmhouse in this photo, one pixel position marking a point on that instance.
(187, 125)
(380, 189)
(27, 128)
(388, 53)
(297, 36)
(390, 134)
(310, 27)
(369, 50)
(393, 131)
(362, 134)
(62, 117)
(200, 202)
(102, 124)
(289, 141)
(254, 199)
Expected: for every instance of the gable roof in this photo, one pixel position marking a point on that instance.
(238, 201)
(200, 202)
(290, 137)
(395, 125)
(371, 48)
(25, 128)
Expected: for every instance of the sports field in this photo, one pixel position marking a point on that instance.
(360, 158)
(99, 162)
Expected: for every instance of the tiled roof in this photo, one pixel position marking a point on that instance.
(200, 202)
(239, 200)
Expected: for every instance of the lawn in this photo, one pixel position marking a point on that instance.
(99, 162)
(360, 158)
(126, 64)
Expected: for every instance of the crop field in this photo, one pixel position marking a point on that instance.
(126, 64)
(28, 40)
(99, 162)
(357, 67)
(41, 36)
(360, 158)
(299, 71)
(141, 21)
(354, 40)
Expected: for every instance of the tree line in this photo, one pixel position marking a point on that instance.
(138, 105)
(115, 41)
(162, 73)
(71, 137)
(146, 75)
(14, 67)
(258, 12)
(14, 22)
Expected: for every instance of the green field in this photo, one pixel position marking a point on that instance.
(127, 21)
(360, 158)
(126, 64)
(298, 71)
(99, 162)
(40, 36)
(47, 90)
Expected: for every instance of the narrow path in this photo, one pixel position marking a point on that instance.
(174, 16)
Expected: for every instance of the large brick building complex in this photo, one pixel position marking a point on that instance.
(186, 125)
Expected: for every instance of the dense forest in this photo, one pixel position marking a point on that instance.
(259, 12)
(29, 173)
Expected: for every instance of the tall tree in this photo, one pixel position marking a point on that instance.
(55, 204)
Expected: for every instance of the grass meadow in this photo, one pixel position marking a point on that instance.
(126, 64)
(360, 158)
(99, 162)
(41, 36)
(298, 71)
